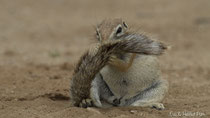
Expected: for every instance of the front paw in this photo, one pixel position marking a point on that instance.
(86, 103)
(116, 102)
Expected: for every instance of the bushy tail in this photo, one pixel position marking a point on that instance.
(94, 60)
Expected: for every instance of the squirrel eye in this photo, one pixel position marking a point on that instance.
(119, 30)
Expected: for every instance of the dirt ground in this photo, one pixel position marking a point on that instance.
(41, 40)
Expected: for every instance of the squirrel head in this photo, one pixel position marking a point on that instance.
(111, 29)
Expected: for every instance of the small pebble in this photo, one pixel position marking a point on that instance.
(133, 111)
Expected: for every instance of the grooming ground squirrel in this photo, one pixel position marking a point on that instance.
(120, 70)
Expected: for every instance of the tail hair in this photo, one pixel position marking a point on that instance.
(93, 61)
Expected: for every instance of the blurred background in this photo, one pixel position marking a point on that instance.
(41, 40)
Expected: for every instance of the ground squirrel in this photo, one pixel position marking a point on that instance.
(120, 70)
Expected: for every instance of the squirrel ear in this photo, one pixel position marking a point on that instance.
(125, 25)
(98, 36)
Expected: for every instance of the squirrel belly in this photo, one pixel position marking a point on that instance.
(142, 74)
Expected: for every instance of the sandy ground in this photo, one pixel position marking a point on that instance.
(40, 41)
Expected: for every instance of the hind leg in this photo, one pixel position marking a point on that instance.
(100, 90)
(94, 99)
(156, 105)
(150, 97)
(95, 93)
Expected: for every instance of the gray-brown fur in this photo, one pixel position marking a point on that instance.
(94, 60)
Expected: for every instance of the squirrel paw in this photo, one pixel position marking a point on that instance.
(116, 102)
(158, 106)
(86, 103)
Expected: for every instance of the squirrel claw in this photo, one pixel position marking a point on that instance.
(86, 103)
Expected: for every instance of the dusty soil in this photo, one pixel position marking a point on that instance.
(40, 41)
